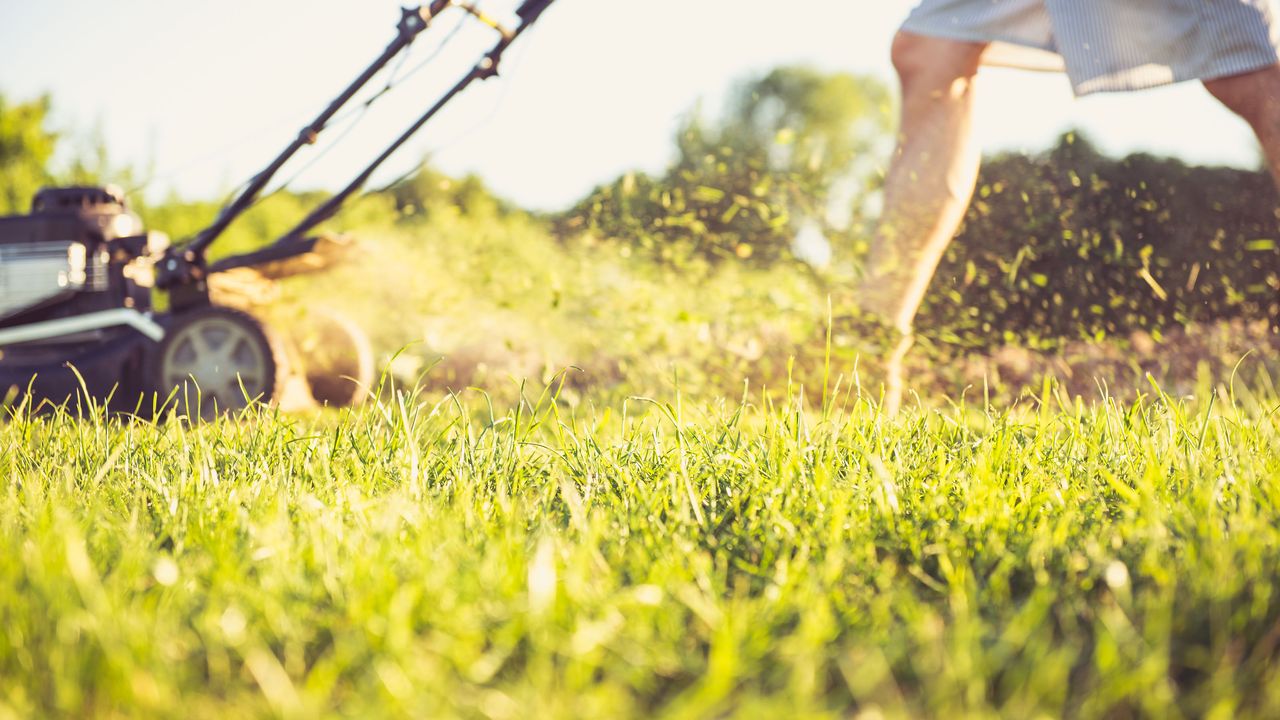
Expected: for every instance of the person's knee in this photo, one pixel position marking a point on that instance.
(931, 63)
(1255, 96)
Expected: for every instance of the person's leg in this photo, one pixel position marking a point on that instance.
(1255, 96)
(928, 187)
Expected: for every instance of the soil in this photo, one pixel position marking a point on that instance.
(1179, 363)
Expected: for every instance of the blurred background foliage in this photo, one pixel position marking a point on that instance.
(724, 263)
(1072, 244)
(26, 147)
(795, 148)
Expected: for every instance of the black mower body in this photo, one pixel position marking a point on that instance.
(71, 257)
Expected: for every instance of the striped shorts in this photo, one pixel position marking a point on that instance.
(1112, 45)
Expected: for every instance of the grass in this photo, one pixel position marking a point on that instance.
(424, 558)
(506, 554)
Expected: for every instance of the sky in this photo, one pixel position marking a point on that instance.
(205, 94)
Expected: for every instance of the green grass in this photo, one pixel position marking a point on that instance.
(423, 559)
(503, 555)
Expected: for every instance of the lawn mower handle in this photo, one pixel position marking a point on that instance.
(295, 241)
(530, 11)
(413, 21)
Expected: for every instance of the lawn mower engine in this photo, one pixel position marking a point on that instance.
(78, 316)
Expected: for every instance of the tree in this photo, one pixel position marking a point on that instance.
(788, 148)
(26, 147)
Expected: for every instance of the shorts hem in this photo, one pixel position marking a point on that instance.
(959, 34)
(1095, 86)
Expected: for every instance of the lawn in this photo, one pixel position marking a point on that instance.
(627, 460)
(778, 556)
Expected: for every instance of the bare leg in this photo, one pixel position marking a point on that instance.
(928, 188)
(1255, 96)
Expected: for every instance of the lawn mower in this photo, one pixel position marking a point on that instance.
(94, 311)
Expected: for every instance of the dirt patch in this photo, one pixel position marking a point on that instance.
(1179, 362)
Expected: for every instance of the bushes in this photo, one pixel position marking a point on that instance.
(269, 219)
(1071, 244)
(1064, 245)
(791, 145)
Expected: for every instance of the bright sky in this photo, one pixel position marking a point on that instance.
(208, 92)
